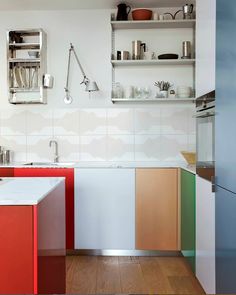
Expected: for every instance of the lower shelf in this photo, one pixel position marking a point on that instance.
(152, 100)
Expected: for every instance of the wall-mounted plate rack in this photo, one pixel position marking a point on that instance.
(26, 57)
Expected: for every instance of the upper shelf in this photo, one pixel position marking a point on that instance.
(164, 62)
(24, 60)
(24, 46)
(154, 24)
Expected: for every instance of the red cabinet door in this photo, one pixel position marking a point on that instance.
(16, 248)
(68, 173)
(6, 172)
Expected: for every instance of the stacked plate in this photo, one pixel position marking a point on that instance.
(184, 92)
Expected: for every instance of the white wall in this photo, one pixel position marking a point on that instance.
(91, 129)
(89, 31)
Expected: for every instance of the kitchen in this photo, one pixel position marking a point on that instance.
(138, 218)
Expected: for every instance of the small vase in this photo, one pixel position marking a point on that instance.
(164, 94)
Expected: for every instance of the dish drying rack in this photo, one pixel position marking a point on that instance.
(26, 57)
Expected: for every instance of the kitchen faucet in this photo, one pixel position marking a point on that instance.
(56, 156)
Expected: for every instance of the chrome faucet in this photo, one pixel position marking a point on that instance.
(56, 156)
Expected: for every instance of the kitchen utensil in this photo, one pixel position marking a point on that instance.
(122, 55)
(168, 56)
(138, 49)
(188, 11)
(6, 157)
(48, 81)
(190, 157)
(186, 50)
(142, 14)
(1, 154)
(123, 12)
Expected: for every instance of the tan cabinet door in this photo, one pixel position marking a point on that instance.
(157, 209)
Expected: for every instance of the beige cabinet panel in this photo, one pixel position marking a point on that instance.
(157, 209)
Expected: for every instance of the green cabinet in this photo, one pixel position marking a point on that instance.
(188, 224)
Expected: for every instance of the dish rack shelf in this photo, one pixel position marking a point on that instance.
(26, 56)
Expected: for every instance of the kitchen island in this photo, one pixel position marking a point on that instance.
(32, 234)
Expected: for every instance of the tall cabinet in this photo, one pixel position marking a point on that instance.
(205, 235)
(225, 148)
(205, 46)
(188, 218)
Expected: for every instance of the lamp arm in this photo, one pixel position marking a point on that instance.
(85, 81)
(68, 72)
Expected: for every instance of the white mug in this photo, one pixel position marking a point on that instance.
(149, 55)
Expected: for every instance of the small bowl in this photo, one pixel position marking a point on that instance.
(142, 14)
(33, 54)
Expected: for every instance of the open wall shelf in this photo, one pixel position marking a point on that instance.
(156, 62)
(153, 24)
(153, 100)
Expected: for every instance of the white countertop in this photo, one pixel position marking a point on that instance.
(25, 190)
(124, 165)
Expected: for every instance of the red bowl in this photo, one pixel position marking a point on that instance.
(142, 14)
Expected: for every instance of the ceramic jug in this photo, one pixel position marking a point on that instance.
(123, 11)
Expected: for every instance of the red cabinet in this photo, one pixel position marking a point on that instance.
(17, 259)
(32, 246)
(6, 172)
(68, 173)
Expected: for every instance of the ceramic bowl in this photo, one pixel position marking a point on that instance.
(142, 14)
(33, 54)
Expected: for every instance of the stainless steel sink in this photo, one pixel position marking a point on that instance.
(59, 164)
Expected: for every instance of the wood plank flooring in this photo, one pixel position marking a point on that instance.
(126, 275)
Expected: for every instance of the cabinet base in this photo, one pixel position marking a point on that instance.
(99, 252)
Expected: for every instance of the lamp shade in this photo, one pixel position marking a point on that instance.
(91, 86)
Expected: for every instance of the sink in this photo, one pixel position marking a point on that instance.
(49, 164)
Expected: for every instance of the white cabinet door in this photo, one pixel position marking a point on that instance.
(105, 209)
(205, 46)
(205, 235)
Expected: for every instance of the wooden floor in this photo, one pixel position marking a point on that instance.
(125, 275)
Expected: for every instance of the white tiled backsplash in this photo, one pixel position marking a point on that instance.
(109, 134)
